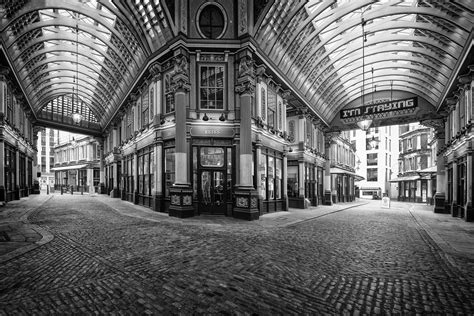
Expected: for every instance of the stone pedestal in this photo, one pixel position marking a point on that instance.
(246, 203)
(440, 200)
(327, 197)
(469, 215)
(181, 197)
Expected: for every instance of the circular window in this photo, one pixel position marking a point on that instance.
(211, 21)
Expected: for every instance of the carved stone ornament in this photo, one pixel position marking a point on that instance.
(242, 201)
(246, 67)
(187, 200)
(180, 84)
(247, 87)
(243, 28)
(155, 71)
(181, 65)
(434, 123)
(175, 200)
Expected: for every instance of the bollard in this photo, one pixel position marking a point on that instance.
(72, 190)
(47, 189)
(61, 190)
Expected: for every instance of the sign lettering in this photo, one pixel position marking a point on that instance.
(379, 108)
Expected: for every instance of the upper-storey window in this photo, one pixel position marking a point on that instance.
(271, 114)
(145, 110)
(263, 96)
(211, 87)
(169, 93)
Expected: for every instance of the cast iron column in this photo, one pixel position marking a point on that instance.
(246, 196)
(181, 193)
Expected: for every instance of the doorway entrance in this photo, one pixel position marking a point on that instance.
(213, 179)
(213, 191)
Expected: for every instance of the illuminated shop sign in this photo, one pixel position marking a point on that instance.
(380, 108)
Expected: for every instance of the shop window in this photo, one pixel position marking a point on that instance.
(212, 87)
(278, 173)
(129, 122)
(151, 101)
(145, 174)
(372, 174)
(169, 93)
(145, 110)
(280, 115)
(292, 182)
(169, 170)
(263, 176)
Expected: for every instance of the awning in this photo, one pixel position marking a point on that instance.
(343, 171)
(369, 188)
(428, 171)
(407, 178)
(69, 167)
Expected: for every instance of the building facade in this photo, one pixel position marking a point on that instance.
(46, 143)
(455, 135)
(76, 166)
(377, 155)
(414, 178)
(18, 150)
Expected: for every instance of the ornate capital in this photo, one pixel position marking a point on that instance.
(181, 84)
(247, 87)
(330, 137)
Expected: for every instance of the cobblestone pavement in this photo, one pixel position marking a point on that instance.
(361, 260)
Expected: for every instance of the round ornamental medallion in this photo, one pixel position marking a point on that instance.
(211, 20)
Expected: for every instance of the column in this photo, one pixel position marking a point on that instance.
(2, 144)
(115, 193)
(285, 178)
(100, 147)
(454, 203)
(418, 197)
(429, 193)
(158, 178)
(328, 140)
(181, 194)
(469, 214)
(246, 196)
(17, 173)
(135, 175)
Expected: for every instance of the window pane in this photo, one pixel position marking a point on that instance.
(212, 157)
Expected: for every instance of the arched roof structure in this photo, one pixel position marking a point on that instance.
(84, 56)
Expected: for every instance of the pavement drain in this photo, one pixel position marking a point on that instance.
(4, 237)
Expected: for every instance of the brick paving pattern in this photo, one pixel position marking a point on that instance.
(362, 260)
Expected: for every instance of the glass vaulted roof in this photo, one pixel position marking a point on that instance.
(84, 55)
(333, 52)
(80, 55)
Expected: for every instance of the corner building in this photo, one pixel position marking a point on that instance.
(205, 129)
